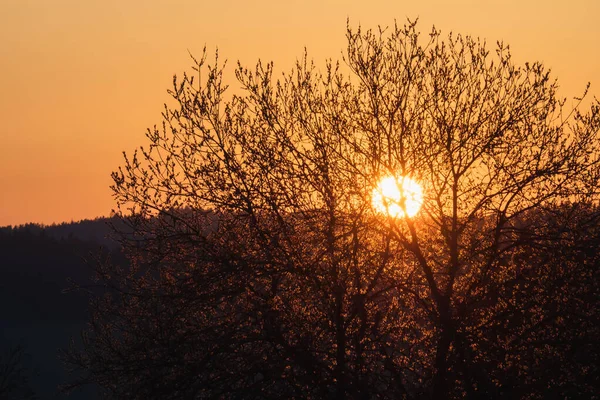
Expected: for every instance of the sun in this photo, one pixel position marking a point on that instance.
(398, 197)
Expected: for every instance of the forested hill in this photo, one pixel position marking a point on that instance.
(97, 230)
(37, 311)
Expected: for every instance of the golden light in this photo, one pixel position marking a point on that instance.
(398, 197)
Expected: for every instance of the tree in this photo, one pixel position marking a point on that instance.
(14, 376)
(261, 269)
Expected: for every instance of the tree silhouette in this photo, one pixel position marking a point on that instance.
(261, 269)
(14, 376)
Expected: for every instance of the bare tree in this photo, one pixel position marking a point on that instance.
(14, 376)
(261, 268)
(492, 145)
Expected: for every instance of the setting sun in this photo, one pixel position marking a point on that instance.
(398, 197)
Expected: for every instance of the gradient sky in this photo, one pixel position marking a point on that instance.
(81, 80)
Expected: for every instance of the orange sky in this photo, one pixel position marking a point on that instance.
(81, 80)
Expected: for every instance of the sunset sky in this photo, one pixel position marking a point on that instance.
(80, 81)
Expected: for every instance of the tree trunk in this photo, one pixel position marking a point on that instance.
(440, 379)
(340, 374)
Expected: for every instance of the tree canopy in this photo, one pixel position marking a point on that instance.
(262, 269)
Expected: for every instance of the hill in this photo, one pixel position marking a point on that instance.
(38, 265)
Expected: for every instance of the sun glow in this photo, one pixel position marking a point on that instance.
(398, 197)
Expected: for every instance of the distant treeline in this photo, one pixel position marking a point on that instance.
(98, 230)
